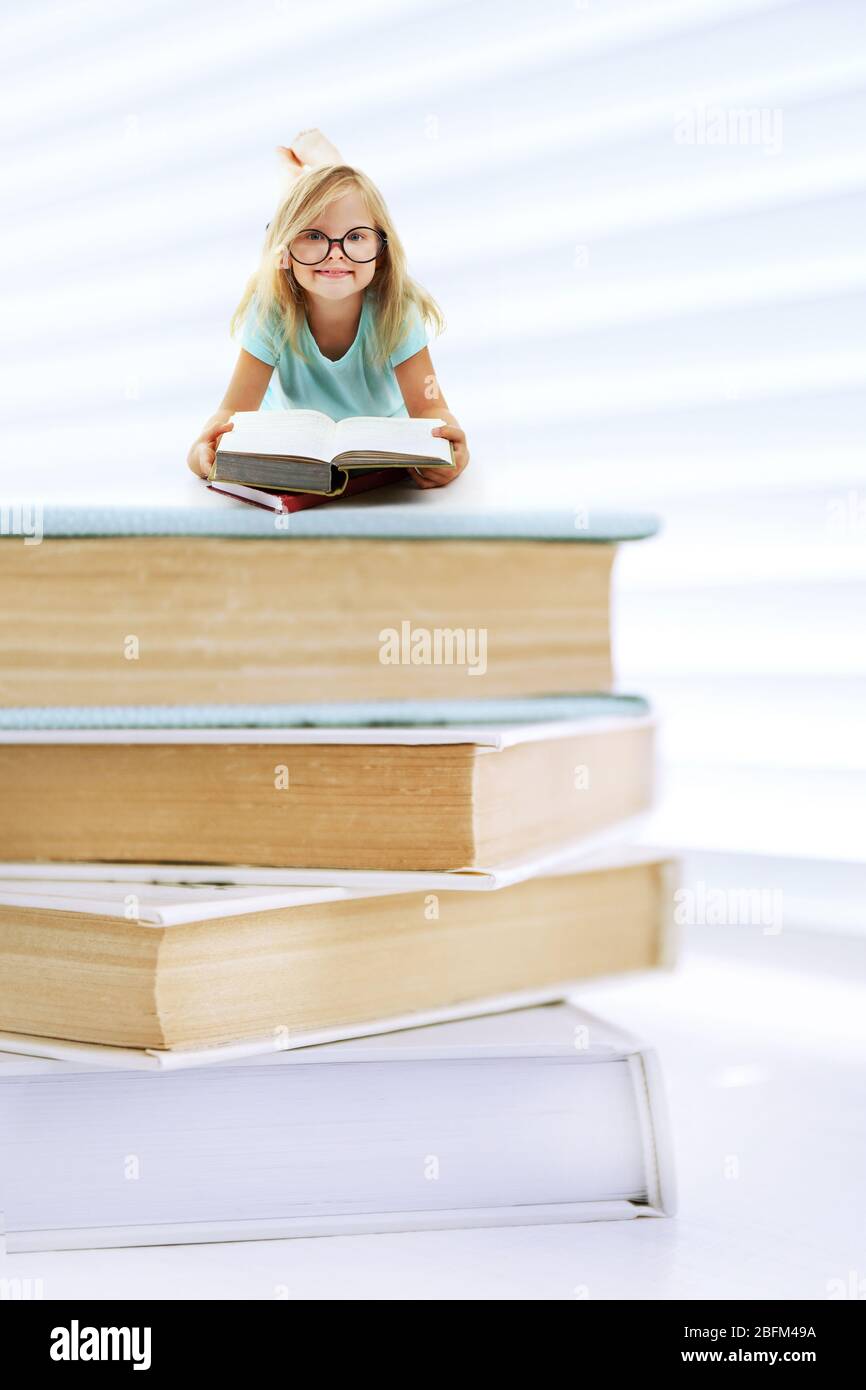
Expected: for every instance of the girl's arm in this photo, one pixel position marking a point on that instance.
(417, 381)
(245, 391)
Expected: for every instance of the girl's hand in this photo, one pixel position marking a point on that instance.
(201, 456)
(308, 149)
(441, 477)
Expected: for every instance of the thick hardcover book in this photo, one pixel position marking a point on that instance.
(284, 503)
(180, 974)
(540, 1115)
(365, 798)
(226, 604)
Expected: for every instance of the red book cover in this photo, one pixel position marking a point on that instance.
(283, 502)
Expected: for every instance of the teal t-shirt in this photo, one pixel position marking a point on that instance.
(353, 385)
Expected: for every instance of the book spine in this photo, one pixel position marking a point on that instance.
(656, 1137)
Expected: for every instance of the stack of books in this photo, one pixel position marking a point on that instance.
(305, 852)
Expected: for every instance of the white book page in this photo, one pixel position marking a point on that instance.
(307, 433)
(314, 1138)
(398, 435)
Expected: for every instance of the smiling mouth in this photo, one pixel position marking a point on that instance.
(334, 274)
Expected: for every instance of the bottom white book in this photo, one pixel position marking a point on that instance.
(540, 1115)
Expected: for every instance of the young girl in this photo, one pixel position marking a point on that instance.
(333, 310)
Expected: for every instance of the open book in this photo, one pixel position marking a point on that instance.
(306, 451)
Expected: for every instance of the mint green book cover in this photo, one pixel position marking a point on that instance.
(353, 518)
(334, 714)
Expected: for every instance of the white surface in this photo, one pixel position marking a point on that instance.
(784, 812)
(765, 1068)
(813, 723)
(804, 894)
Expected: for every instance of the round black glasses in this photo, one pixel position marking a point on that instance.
(360, 244)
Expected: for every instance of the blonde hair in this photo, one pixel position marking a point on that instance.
(278, 293)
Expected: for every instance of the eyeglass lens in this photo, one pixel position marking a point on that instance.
(360, 244)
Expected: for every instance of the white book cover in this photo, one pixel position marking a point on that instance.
(608, 1122)
(496, 737)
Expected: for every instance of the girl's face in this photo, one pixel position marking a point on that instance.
(337, 277)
